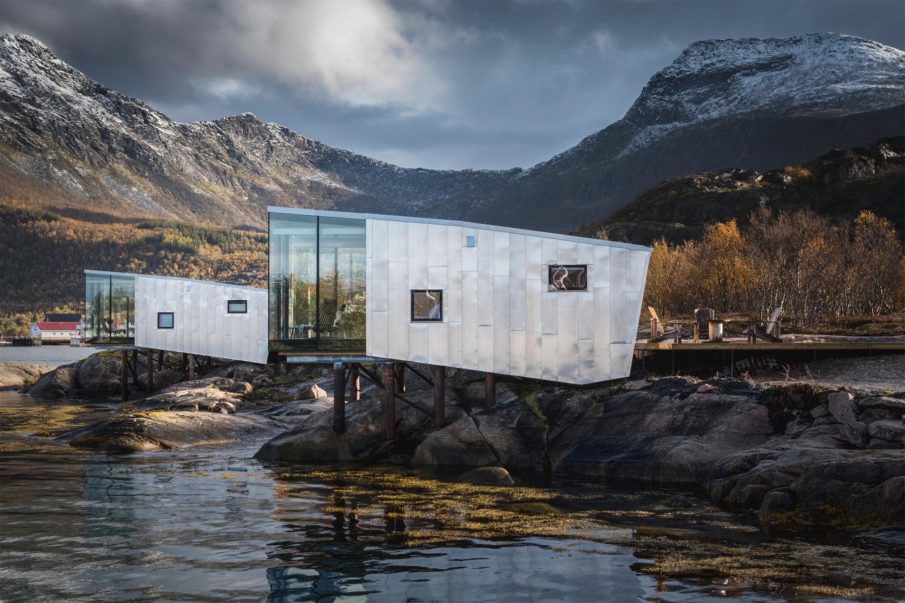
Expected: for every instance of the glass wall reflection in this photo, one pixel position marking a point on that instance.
(317, 283)
(109, 307)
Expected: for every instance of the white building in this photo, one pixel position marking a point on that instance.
(359, 287)
(55, 331)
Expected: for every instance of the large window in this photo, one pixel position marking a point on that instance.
(317, 283)
(109, 307)
(567, 277)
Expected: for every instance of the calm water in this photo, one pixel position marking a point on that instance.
(210, 524)
(53, 355)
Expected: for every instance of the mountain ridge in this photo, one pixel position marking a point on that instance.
(70, 143)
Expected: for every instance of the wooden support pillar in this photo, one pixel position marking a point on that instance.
(354, 383)
(133, 367)
(150, 371)
(339, 398)
(439, 378)
(399, 369)
(489, 390)
(160, 360)
(124, 376)
(389, 401)
(191, 367)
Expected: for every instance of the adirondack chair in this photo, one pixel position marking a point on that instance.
(771, 331)
(658, 333)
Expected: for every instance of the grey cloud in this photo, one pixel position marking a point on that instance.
(435, 83)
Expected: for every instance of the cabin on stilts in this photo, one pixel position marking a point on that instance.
(353, 290)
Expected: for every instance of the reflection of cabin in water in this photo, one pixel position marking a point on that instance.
(347, 287)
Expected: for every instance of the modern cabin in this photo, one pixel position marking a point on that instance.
(364, 287)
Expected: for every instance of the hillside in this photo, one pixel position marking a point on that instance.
(70, 143)
(76, 147)
(43, 255)
(752, 104)
(838, 185)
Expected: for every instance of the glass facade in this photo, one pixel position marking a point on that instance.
(317, 283)
(109, 308)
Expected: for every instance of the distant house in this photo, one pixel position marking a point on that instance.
(47, 331)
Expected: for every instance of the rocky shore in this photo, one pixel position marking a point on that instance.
(795, 455)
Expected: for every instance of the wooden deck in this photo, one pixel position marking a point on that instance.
(762, 346)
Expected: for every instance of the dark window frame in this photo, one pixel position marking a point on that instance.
(244, 303)
(172, 322)
(412, 309)
(553, 267)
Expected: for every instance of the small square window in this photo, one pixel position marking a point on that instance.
(567, 277)
(165, 320)
(237, 306)
(469, 241)
(427, 305)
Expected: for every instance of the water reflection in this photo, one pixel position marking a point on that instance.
(212, 525)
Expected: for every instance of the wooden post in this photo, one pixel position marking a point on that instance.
(400, 377)
(489, 390)
(124, 377)
(389, 401)
(150, 371)
(160, 360)
(439, 377)
(339, 398)
(354, 383)
(191, 367)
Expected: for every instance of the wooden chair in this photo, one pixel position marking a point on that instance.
(771, 331)
(658, 333)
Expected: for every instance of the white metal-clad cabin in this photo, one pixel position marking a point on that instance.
(177, 315)
(454, 294)
(358, 287)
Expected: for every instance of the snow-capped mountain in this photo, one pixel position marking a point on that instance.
(67, 141)
(748, 103)
(808, 75)
(71, 143)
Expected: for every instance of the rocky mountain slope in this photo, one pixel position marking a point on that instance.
(67, 141)
(838, 184)
(752, 104)
(70, 144)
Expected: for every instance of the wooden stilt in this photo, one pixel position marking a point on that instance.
(354, 383)
(489, 390)
(191, 367)
(339, 398)
(133, 367)
(400, 377)
(160, 360)
(389, 400)
(124, 376)
(439, 377)
(150, 371)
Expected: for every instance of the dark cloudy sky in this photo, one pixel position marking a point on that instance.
(432, 83)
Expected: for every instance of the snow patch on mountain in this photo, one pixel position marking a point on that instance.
(812, 74)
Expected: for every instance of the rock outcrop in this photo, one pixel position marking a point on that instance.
(18, 375)
(795, 455)
(160, 430)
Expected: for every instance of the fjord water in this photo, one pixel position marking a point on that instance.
(211, 524)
